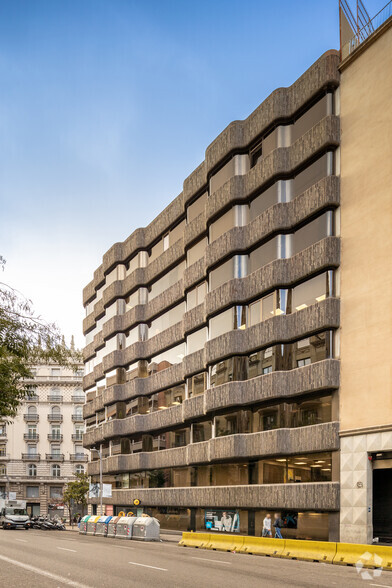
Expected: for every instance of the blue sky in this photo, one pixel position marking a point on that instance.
(105, 108)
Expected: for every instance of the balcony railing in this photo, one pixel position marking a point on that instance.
(77, 437)
(31, 456)
(77, 418)
(4, 456)
(55, 398)
(55, 418)
(31, 418)
(31, 437)
(78, 457)
(78, 399)
(73, 378)
(32, 398)
(55, 456)
(368, 29)
(55, 437)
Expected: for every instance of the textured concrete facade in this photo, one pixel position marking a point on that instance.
(140, 430)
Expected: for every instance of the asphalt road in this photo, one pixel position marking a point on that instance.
(56, 559)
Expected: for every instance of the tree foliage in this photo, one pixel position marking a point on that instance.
(25, 339)
(75, 493)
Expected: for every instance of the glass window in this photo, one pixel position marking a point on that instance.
(197, 384)
(195, 341)
(197, 207)
(315, 172)
(32, 470)
(169, 279)
(32, 491)
(314, 467)
(310, 411)
(176, 233)
(312, 349)
(263, 201)
(228, 370)
(263, 254)
(196, 252)
(178, 438)
(221, 274)
(312, 291)
(196, 296)
(56, 492)
(221, 323)
(311, 117)
(79, 469)
(171, 397)
(137, 370)
(269, 418)
(233, 423)
(166, 320)
(317, 229)
(237, 165)
(201, 432)
(56, 471)
(167, 359)
(223, 224)
(261, 309)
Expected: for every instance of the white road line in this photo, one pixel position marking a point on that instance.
(228, 563)
(65, 549)
(43, 572)
(383, 585)
(124, 547)
(146, 566)
(21, 540)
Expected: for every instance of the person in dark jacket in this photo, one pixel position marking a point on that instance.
(278, 524)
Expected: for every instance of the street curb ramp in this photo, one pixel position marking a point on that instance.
(369, 556)
(263, 546)
(321, 551)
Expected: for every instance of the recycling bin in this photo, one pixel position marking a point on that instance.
(146, 529)
(101, 527)
(112, 527)
(83, 525)
(124, 527)
(91, 525)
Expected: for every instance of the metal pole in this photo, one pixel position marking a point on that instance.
(100, 477)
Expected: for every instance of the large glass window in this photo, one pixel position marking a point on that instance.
(263, 254)
(196, 252)
(167, 359)
(197, 384)
(137, 370)
(316, 171)
(311, 117)
(317, 229)
(223, 224)
(169, 279)
(315, 467)
(238, 165)
(32, 491)
(231, 319)
(197, 207)
(195, 341)
(166, 320)
(171, 397)
(228, 370)
(196, 296)
(235, 267)
(312, 291)
(233, 423)
(201, 432)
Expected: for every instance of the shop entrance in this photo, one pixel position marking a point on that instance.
(33, 510)
(382, 502)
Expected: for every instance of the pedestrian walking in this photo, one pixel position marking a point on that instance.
(278, 525)
(266, 532)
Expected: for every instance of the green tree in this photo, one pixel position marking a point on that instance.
(25, 339)
(75, 494)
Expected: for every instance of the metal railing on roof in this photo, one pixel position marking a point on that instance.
(368, 29)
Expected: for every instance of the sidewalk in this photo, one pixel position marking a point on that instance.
(166, 534)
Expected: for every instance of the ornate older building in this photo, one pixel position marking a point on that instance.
(218, 360)
(41, 450)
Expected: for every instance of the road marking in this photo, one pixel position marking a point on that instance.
(146, 566)
(213, 560)
(43, 572)
(21, 540)
(124, 547)
(65, 549)
(383, 585)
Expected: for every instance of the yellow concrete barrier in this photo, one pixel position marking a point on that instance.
(225, 542)
(309, 550)
(367, 556)
(195, 540)
(263, 546)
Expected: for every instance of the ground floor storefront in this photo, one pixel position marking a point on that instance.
(319, 526)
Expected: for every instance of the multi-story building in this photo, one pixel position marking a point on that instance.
(225, 342)
(41, 449)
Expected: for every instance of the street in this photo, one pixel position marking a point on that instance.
(52, 559)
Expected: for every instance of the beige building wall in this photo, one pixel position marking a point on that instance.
(366, 275)
(56, 390)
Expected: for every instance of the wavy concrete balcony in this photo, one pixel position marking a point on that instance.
(323, 437)
(281, 104)
(314, 496)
